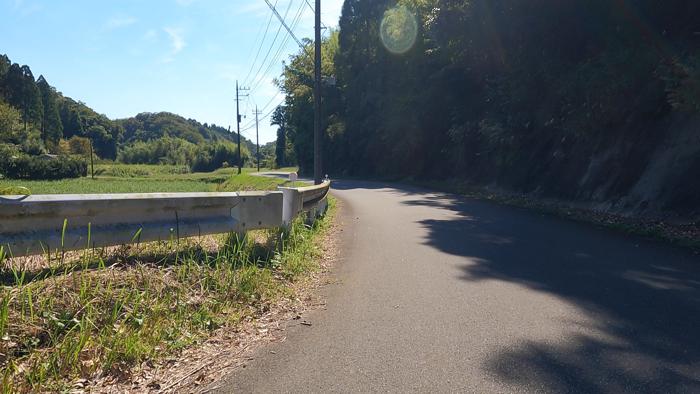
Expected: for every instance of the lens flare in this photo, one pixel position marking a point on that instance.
(398, 30)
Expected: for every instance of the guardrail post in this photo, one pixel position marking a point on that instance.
(291, 205)
(310, 200)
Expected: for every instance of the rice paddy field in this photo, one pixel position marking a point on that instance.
(128, 178)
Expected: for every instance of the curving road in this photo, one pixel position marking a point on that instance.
(439, 293)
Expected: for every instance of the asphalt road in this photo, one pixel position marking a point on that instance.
(438, 293)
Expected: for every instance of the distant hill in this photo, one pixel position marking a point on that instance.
(38, 119)
(148, 126)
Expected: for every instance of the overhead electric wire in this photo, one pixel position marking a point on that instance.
(269, 102)
(278, 55)
(282, 21)
(313, 10)
(252, 123)
(258, 78)
(264, 117)
(262, 42)
(267, 55)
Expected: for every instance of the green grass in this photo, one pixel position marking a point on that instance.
(104, 316)
(123, 178)
(66, 319)
(138, 170)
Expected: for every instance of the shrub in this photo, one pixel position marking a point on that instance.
(79, 145)
(211, 157)
(165, 150)
(23, 166)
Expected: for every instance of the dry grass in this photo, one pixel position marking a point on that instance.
(89, 319)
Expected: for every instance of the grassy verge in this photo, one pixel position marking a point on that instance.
(124, 178)
(98, 316)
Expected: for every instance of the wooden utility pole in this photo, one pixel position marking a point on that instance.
(92, 161)
(229, 132)
(317, 96)
(257, 137)
(238, 123)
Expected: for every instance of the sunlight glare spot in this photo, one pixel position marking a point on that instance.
(398, 30)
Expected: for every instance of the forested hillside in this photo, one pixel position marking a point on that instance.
(36, 119)
(589, 100)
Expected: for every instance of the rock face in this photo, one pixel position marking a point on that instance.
(653, 174)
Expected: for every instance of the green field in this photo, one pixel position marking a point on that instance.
(125, 178)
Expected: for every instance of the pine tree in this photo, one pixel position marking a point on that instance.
(278, 118)
(5, 64)
(32, 106)
(22, 93)
(70, 118)
(51, 126)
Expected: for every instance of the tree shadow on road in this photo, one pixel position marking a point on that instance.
(643, 296)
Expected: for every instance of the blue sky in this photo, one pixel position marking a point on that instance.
(122, 57)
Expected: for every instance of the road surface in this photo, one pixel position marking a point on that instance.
(438, 293)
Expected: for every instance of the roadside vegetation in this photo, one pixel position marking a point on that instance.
(125, 178)
(589, 101)
(65, 320)
(46, 135)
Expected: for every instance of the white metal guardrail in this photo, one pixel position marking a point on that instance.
(37, 224)
(311, 200)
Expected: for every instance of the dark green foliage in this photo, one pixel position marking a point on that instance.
(213, 156)
(563, 98)
(147, 126)
(297, 113)
(19, 165)
(280, 148)
(5, 64)
(279, 120)
(21, 91)
(80, 120)
(268, 157)
(165, 150)
(163, 137)
(51, 126)
(70, 118)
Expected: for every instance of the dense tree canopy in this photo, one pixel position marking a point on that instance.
(51, 125)
(569, 98)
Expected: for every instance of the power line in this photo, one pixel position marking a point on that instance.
(271, 100)
(323, 26)
(250, 125)
(291, 33)
(274, 40)
(276, 58)
(310, 6)
(267, 28)
(267, 105)
(267, 115)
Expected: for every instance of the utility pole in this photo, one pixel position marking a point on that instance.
(257, 137)
(317, 95)
(238, 123)
(92, 161)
